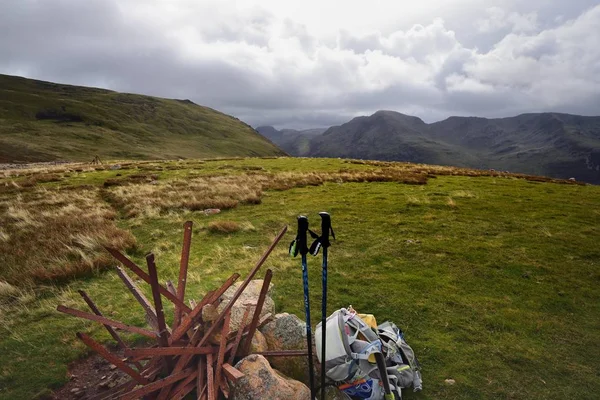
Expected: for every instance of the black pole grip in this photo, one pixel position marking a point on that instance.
(325, 228)
(301, 241)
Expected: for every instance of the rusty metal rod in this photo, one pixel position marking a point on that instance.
(283, 353)
(163, 338)
(238, 336)
(188, 320)
(154, 386)
(170, 351)
(232, 373)
(139, 296)
(96, 311)
(222, 348)
(183, 268)
(143, 275)
(111, 358)
(257, 310)
(106, 321)
(210, 383)
(179, 391)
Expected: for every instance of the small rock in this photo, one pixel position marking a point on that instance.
(116, 166)
(259, 343)
(450, 381)
(211, 211)
(260, 381)
(112, 367)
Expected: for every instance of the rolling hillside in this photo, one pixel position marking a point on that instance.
(42, 121)
(551, 144)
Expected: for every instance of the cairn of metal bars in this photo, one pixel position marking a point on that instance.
(181, 358)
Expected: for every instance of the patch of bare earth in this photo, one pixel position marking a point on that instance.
(89, 377)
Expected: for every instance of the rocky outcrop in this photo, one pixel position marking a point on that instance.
(260, 382)
(288, 332)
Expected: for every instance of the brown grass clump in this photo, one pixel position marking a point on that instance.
(224, 226)
(194, 194)
(56, 235)
(228, 191)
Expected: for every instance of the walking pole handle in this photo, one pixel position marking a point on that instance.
(325, 229)
(301, 241)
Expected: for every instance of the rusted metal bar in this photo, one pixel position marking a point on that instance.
(200, 386)
(163, 334)
(242, 287)
(210, 383)
(222, 348)
(232, 373)
(238, 336)
(139, 296)
(284, 353)
(200, 381)
(179, 391)
(96, 311)
(109, 328)
(188, 320)
(106, 321)
(183, 268)
(143, 275)
(259, 305)
(154, 386)
(111, 358)
(170, 351)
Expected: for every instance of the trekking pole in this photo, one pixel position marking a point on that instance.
(299, 245)
(324, 241)
(385, 380)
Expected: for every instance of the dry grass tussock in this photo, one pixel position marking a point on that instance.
(223, 226)
(56, 235)
(228, 191)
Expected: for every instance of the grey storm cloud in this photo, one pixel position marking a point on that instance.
(266, 66)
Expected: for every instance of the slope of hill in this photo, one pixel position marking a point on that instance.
(296, 142)
(552, 144)
(42, 121)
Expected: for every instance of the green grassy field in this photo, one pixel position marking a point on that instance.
(43, 121)
(494, 279)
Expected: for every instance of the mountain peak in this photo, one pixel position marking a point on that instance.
(397, 117)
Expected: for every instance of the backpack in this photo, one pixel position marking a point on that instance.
(351, 345)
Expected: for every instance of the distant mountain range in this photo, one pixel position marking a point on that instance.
(551, 144)
(292, 141)
(43, 121)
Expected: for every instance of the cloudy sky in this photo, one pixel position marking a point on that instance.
(312, 63)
